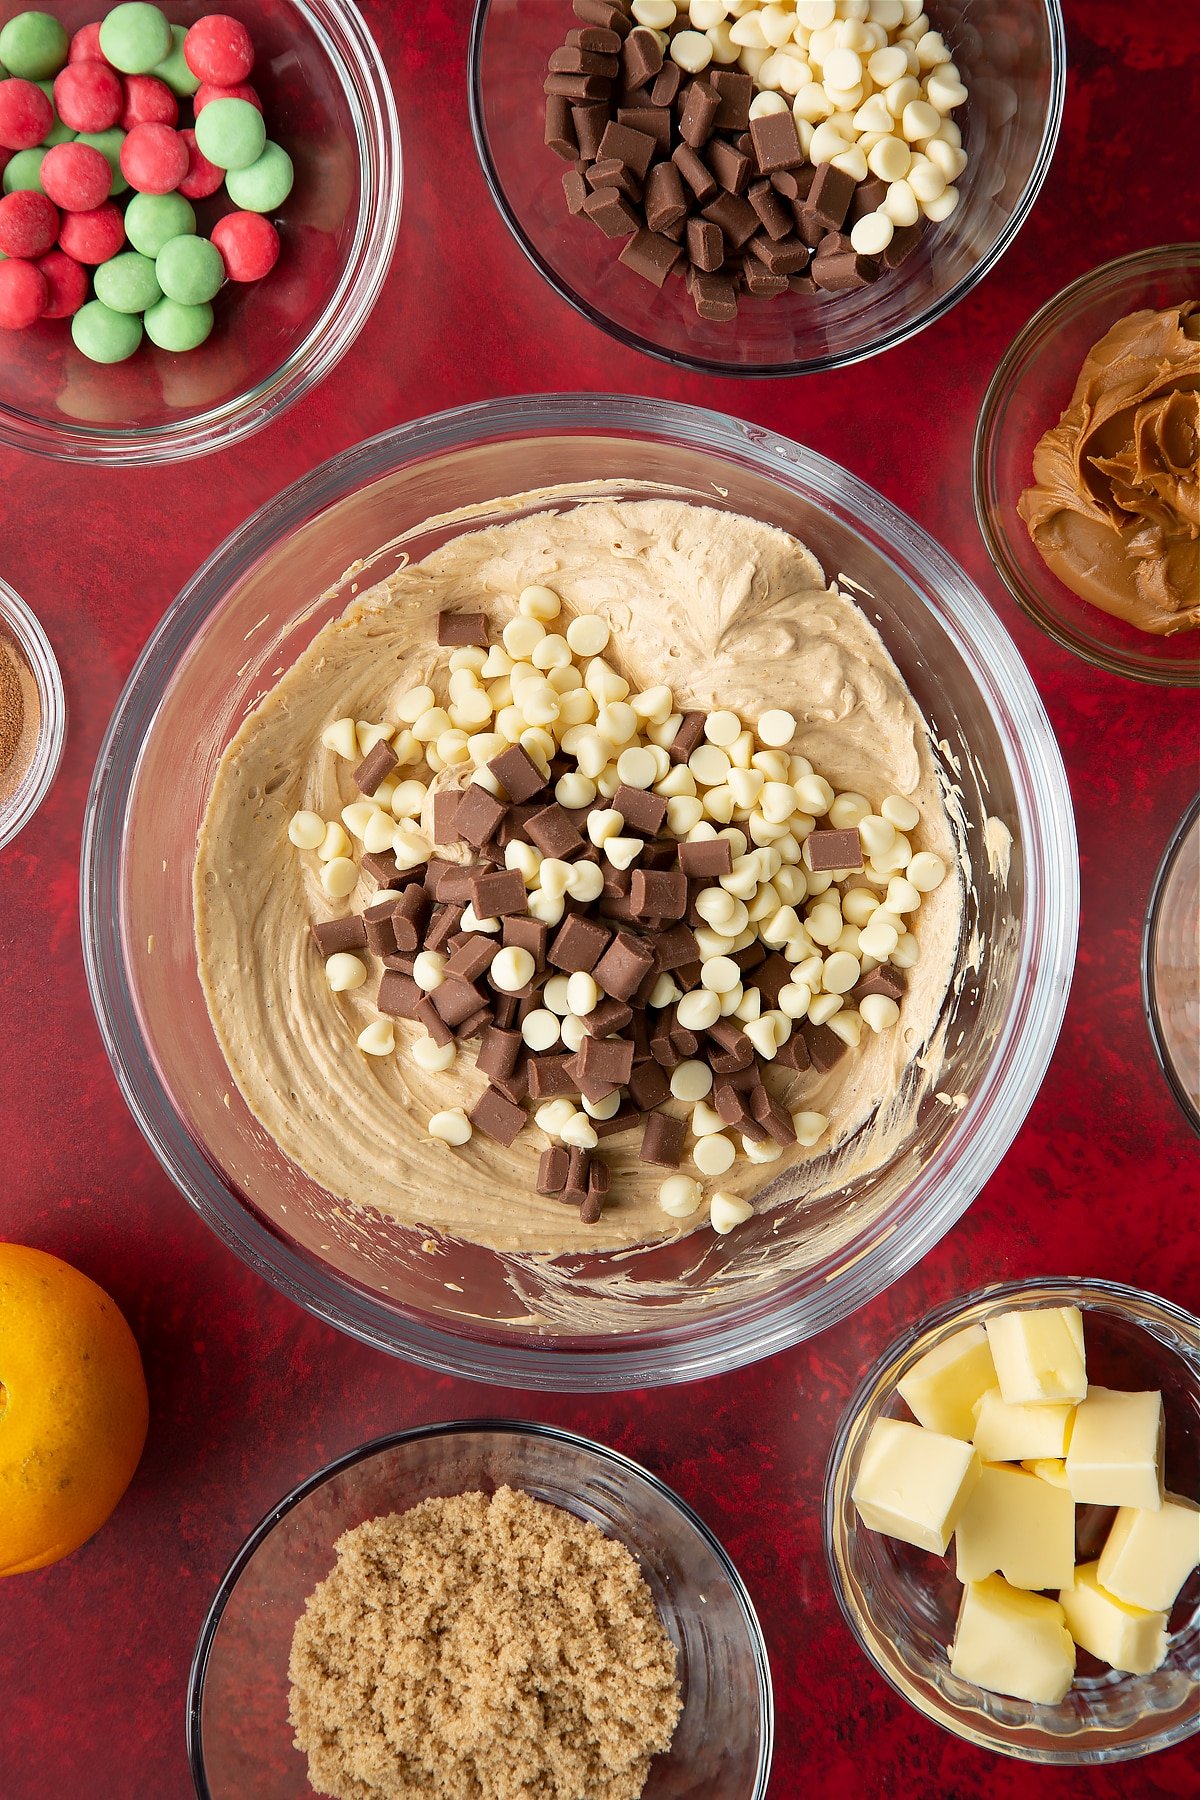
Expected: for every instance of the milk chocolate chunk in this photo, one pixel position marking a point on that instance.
(612, 174)
(498, 892)
(714, 296)
(662, 1141)
(732, 1049)
(607, 1017)
(750, 957)
(707, 859)
(655, 121)
(514, 1087)
(527, 934)
(377, 920)
(825, 1047)
(841, 271)
(827, 850)
(649, 1085)
(578, 944)
(589, 121)
(607, 1060)
(554, 832)
(675, 948)
(560, 128)
(659, 894)
(574, 1188)
(730, 167)
(869, 196)
(456, 1000)
(380, 865)
(641, 58)
(776, 219)
(571, 59)
(332, 935)
(478, 817)
(700, 109)
(595, 37)
(472, 958)
(458, 629)
(689, 735)
(454, 884)
(399, 996)
(905, 239)
(775, 1120)
(730, 1103)
(667, 84)
(736, 217)
(777, 143)
(634, 148)
(624, 1119)
(578, 87)
(794, 185)
(892, 983)
(445, 812)
(793, 1054)
(497, 1117)
(408, 917)
(830, 195)
(427, 1014)
(549, 1076)
(624, 966)
(695, 173)
(786, 257)
(505, 1008)
(606, 13)
(591, 1207)
(642, 810)
(650, 255)
(662, 1050)
(666, 203)
(735, 92)
(375, 765)
(517, 773)
(498, 1052)
(552, 1170)
(443, 923)
(705, 244)
(609, 209)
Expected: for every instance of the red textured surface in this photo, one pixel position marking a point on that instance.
(248, 1394)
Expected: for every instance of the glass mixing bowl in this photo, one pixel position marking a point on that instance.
(1012, 56)
(239, 1738)
(328, 101)
(901, 1604)
(702, 1303)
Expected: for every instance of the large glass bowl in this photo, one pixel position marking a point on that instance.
(1012, 56)
(690, 1307)
(328, 100)
(239, 1738)
(901, 1604)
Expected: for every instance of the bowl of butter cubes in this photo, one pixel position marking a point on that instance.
(1012, 1520)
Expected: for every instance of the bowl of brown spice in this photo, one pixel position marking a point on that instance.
(33, 714)
(484, 1607)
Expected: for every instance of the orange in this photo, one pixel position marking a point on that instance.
(73, 1408)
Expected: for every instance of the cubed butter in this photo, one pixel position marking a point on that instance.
(1148, 1556)
(913, 1483)
(1005, 1433)
(1011, 1642)
(1125, 1637)
(1048, 1468)
(1017, 1526)
(1116, 1450)
(1039, 1354)
(942, 1389)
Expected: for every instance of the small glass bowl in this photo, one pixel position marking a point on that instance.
(328, 101)
(1171, 964)
(1027, 395)
(901, 1604)
(1012, 54)
(29, 645)
(239, 1738)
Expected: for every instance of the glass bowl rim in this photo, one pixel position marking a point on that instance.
(989, 427)
(1033, 1023)
(1117, 1297)
(1150, 1007)
(31, 790)
(705, 365)
(626, 1467)
(348, 42)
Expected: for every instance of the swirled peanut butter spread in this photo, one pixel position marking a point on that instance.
(1115, 506)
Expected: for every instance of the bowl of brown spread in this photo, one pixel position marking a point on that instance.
(1087, 467)
(32, 714)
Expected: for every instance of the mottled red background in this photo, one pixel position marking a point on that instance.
(248, 1394)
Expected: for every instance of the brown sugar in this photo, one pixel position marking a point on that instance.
(482, 1648)
(20, 718)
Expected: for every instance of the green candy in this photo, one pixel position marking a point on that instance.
(231, 133)
(136, 38)
(58, 132)
(105, 336)
(174, 70)
(175, 327)
(33, 45)
(152, 220)
(24, 172)
(126, 283)
(189, 270)
(108, 143)
(265, 185)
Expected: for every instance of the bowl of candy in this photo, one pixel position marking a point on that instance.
(198, 212)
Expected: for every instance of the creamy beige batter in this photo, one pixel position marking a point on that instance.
(728, 611)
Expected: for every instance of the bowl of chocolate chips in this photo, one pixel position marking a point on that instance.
(753, 188)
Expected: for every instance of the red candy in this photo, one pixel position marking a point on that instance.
(249, 245)
(26, 115)
(28, 224)
(148, 101)
(219, 49)
(154, 159)
(208, 91)
(66, 283)
(92, 237)
(76, 177)
(85, 45)
(23, 294)
(203, 177)
(88, 96)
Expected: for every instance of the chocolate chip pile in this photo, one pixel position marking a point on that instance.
(624, 932)
(751, 161)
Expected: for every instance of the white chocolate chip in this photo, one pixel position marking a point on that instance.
(334, 843)
(342, 738)
(841, 972)
(926, 871)
(683, 813)
(621, 851)
(583, 995)
(552, 1115)
(872, 234)
(722, 728)
(553, 876)
(585, 881)
(344, 972)
(548, 908)
(691, 50)
(555, 996)
(809, 1126)
(378, 1038)
(691, 1081)
(709, 764)
(521, 634)
(719, 974)
(761, 1032)
(540, 1029)
(727, 1210)
(409, 847)
(713, 1155)
(429, 970)
(471, 921)
(379, 832)
(637, 767)
(776, 728)
(539, 603)
(451, 1126)
(679, 1196)
(848, 1026)
(522, 856)
(764, 1152)
(664, 992)
(902, 896)
(580, 1132)
(573, 1032)
(339, 877)
(859, 906)
(574, 790)
(512, 968)
(879, 1011)
(306, 830)
(941, 208)
(814, 794)
(698, 1010)
(588, 634)
(433, 1057)
(602, 1109)
(794, 999)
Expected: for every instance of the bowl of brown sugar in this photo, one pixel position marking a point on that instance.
(33, 714)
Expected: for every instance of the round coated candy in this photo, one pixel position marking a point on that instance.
(34, 45)
(24, 172)
(127, 283)
(93, 237)
(105, 336)
(152, 220)
(135, 38)
(249, 245)
(85, 45)
(26, 115)
(175, 327)
(88, 96)
(108, 143)
(76, 177)
(266, 184)
(208, 91)
(28, 224)
(219, 49)
(230, 133)
(174, 70)
(190, 270)
(154, 159)
(23, 294)
(66, 283)
(203, 178)
(148, 101)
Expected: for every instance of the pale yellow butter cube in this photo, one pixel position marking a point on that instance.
(1148, 1556)
(1039, 1354)
(1011, 1642)
(1019, 1527)
(1116, 1450)
(942, 1389)
(1005, 1433)
(1048, 1468)
(1125, 1637)
(913, 1484)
